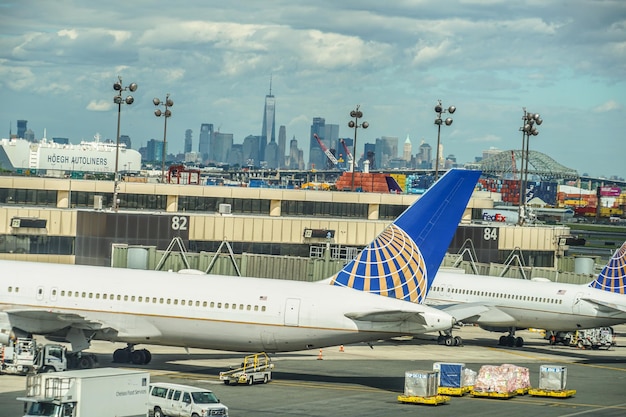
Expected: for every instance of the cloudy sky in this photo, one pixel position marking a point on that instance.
(490, 58)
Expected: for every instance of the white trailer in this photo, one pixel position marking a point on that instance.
(100, 392)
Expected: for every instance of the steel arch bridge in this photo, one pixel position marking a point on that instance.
(508, 164)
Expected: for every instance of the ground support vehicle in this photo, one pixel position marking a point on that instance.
(102, 392)
(167, 399)
(254, 368)
(597, 338)
(564, 393)
(432, 400)
(24, 355)
(454, 391)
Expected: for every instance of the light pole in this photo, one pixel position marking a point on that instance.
(118, 100)
(529, 120)
(356, 114)
(439, 121)
(166, 114)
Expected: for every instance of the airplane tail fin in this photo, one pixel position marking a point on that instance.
(403, 260)
(613, 275)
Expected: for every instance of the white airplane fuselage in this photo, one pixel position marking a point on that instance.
(526, 303)
(201, 311)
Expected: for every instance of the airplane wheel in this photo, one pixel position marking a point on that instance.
(138, 357)
(510, 341)
(85, 362)
(47, 369)
(121, 356)
(441, 339)
(449, 341)
(148, 356)
(519, 342)
(502, 341)
(458, 341)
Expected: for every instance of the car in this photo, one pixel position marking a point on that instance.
(177, 400)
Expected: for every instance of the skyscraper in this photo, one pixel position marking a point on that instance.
(408, 149)
(206, 130)
(282, 144)
(21, 128)
(219, 147)
(316, 155)
(269, 122)
(188, 141)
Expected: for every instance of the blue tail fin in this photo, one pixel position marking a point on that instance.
(403, 260)
(613, 275)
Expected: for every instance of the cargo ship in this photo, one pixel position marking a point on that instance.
(51, 158)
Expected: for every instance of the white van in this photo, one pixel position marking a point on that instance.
(184, 401)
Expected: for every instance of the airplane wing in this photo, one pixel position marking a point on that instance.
(606, 307)
(478, 313)
(388, 316)
(46, 321)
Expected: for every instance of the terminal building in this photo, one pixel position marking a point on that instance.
(71, 221)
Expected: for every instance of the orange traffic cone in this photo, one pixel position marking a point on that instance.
(319, 357)
(341, 348)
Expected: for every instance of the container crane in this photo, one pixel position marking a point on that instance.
(327, 151)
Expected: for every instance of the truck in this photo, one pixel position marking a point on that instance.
(254, 368)
(100, 392)
(23, 355)
(596, 338)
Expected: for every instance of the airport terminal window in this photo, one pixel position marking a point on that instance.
(390, 211)
(28, 197)
(323, 209)
(37, 244)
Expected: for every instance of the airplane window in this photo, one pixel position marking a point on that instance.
(132, 298)
(169, 301)
(240, 306)
(148, 300)
(262, 308)
(176, 302)
(125, 298)
(10, 289)
(54, 292)
(226, 305)
(219, 305)
(98, 295)
(248, 307)
(256, 308)
(212, 304)
(119, 297)
(161, 300)
(154, 300)
(234, 306)
(190, 303)
(197, 304)
(204, 304)
(140, 298)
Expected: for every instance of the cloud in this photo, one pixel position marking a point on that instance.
(99, 105)
(610, 105)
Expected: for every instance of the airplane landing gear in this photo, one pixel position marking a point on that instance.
(511, 340)
(449, 340)
(130, 355)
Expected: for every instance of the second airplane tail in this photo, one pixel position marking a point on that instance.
(613, 275)
(403, 260)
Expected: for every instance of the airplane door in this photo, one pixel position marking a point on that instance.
(292, 312)
(577, 303)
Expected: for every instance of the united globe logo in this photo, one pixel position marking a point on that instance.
(391, 266)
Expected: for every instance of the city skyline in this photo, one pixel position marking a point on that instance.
(489, 59)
